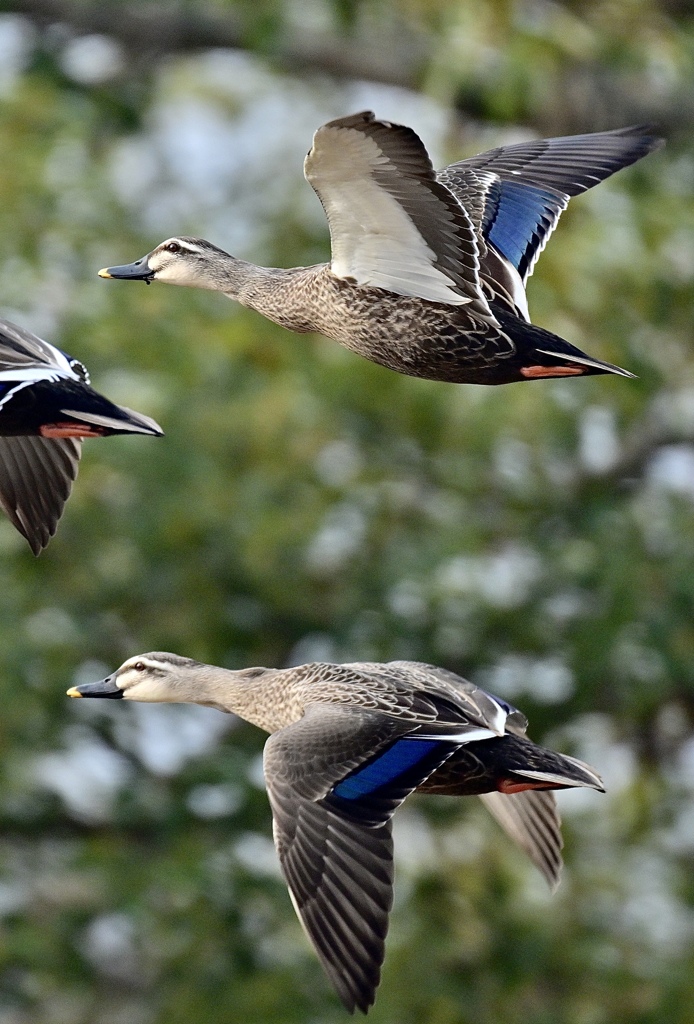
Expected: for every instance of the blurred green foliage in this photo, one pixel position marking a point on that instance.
(307, 504)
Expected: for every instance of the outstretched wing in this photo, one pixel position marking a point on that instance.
(523, 189)
(24, 356)
(392, 224)
(532, 820)
(36, 477)
(334, 779)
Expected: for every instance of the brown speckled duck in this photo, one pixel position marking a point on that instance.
(428, 270)
(348, 744)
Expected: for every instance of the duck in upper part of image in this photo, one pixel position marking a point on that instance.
(349, 742)
(428, 270)
(46, 407)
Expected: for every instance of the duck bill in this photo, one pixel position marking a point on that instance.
(140, 270)
(104, 688)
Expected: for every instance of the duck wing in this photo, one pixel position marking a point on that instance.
(456, 699)
(516, 194)
(21, 352)
(334, 779)
(532, 821)
(36, 477)
(393, 225)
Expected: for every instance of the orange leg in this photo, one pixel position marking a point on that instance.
(511, 786)
(69, 430)
(551, 371)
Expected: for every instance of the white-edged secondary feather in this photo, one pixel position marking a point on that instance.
(391, 225)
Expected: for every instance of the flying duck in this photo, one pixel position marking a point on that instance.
(348, 744)
(428, 270)
(46, 407)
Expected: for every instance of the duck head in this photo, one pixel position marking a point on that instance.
(194, 262)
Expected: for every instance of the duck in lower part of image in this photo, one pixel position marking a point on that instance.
(348, 743)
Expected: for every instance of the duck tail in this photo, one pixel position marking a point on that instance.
(564, 355)
(545, 354)
(573, 773)
(531, 767)
(116, 419)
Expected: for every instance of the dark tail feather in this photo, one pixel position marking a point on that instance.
(517, 759)
(555, 349)
(115, 419)
(540, 348)
(559, 771)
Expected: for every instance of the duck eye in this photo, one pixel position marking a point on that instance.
(139, 666)
(173, 247)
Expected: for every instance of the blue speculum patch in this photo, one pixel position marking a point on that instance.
(520, 221)
(386, 769)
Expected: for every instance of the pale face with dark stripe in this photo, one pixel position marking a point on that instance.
(152, 678)
(182, 261)
(192, 262)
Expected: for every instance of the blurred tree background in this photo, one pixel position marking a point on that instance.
(306, 504)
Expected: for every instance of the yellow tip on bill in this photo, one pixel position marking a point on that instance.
(73, 692)
(102, 273)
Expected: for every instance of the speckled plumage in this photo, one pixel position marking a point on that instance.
(348, 744)
(431, 340)
(428, 269)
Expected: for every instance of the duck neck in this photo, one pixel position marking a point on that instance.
(260, 696)
(279, 294)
